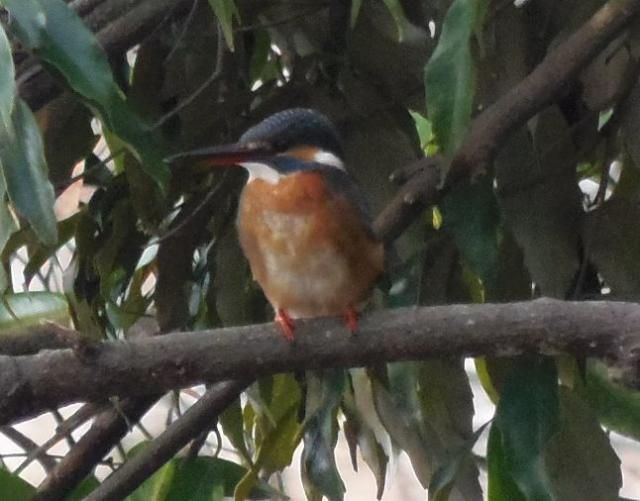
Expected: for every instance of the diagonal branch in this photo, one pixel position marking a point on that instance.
(34, 383)
(490, 130)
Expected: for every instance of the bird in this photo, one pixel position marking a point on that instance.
(303, 222)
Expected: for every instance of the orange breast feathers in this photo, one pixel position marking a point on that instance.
(307, 245)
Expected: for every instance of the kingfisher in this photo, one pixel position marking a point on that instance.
(303, 223)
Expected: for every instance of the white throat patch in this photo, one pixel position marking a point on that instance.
(262, 171)
(327, 158)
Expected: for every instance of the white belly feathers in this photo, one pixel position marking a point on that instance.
(314, 277)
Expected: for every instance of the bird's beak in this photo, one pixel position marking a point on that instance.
(227, 154)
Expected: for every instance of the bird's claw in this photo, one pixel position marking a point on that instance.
(286, 324)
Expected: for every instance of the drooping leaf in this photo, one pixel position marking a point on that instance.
(527, 416)
(355, 12)
(471, 214)
(25, 172)
(31, 308)
(319, 470)
(226, 11)
(157, 486)
(406, 432)
(631, 124)
(397, 12)
(278, 428)
(501, 485)
(445, 477)
(232, 424)
(579, 459)
(541, 202)
(209, 478)
(7, 227)
(40, 253)
(617, 406)
(373, 439)
(449, 75)
(13, 487)
(614, 245)
(446, 404)
(7, 79)
(58, 35)
(359, 435)
(83, 489)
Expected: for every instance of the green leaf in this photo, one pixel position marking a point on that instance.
(232, 424)
(59, 36)
(25, 172)
(13, 487)
(157, 486)
(541, 201)
(500, 480)
(617, 406)
(471, 214)
(207, 479)
(450, 75)
(579, 459)
(39, 253)
(397, 12)
(83, 489)
(527, 416)
(614, 245)
(278, 428)
(445, 477)
(406, 432)
(355, 12)
(226, 11)
(363, 429)
(7, 227)
(319, 470)
(31, 308)
(7, 79)
(446, 406)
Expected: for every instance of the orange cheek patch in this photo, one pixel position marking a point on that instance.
(305, 153)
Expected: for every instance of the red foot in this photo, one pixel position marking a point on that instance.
(351, 319)
(285, 323)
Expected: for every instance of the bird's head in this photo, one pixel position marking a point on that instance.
(289, 141)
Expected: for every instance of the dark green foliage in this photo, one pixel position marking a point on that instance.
(399, 79)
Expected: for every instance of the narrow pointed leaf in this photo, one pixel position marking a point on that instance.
(579, 458)
(7, 79)
(226, 11)
(13, 487)
(501, 485)
(396, 11)
(318, 460)
(527, 416)
(25, 172)
(55, 32)
(7, 227)
(450, 75)
(31, 308)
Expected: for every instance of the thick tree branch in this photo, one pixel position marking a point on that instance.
(35, 338)
(34, 383)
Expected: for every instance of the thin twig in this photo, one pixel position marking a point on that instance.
(124, 480)
(217, 71)
(27, 445)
